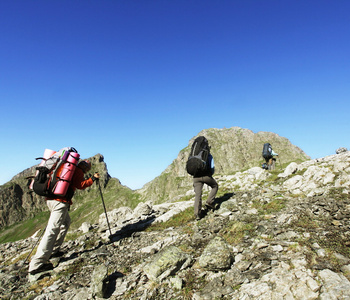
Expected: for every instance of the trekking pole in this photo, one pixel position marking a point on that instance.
(41, 235)
(99, 186)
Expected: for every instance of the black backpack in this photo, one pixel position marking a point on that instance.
(196, 164)
(46, 178)
(267, 150)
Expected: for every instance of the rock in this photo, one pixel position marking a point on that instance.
(85, 227)
(165, 263)
(142, 209)
(216, 255)
(293, 183)
(335, 286)
(291, 169)
(234, 277)
(98, 281)
(176, 282)
(115, 216)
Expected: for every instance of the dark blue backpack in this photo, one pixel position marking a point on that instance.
(196, 164)
(267, 150)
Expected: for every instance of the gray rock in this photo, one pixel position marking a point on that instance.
(98, 281)
(335, 286)
(291, 169)
(166, 262)
(216, 255)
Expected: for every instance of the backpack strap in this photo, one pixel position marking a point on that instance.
(73, 150)
(43, 158)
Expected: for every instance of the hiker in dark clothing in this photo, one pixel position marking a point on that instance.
(198, 181)
(268, 154)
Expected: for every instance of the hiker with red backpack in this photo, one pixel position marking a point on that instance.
(200, 165)
(59, 220)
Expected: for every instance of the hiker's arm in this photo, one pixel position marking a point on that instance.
(95, 176)
(274, 153)
(84, 184)
(78, 181)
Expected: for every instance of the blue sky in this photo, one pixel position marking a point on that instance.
(136, 80)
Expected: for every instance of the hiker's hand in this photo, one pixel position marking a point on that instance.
(96, 176)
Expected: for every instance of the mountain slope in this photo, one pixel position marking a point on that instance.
(234, 149)
(280, 234)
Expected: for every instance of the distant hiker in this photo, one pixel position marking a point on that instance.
(59, 220)
(268, 154)
(200, 165)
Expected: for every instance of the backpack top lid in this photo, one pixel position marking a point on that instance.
(199, 144)
(201, 140)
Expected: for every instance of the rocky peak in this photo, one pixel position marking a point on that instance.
(234, 149)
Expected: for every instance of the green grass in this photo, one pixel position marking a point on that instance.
(337, 193)
(178, 220)
(270, 207)
(191, 282)
(274, 176)
(24, 229)
(235, 231)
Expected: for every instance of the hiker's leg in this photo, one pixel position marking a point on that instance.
(273, 164)
(62, 234)
(269, 164)
(58, 214)
(198, 185)
(214, 189)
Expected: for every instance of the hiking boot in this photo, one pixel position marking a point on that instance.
(42, 268)
(199, 216)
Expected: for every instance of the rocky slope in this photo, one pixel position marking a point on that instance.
(273, 235)
(233, 149)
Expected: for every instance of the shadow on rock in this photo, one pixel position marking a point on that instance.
(129, 229)
(218, 201)
(111, 283)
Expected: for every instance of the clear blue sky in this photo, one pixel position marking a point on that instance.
(136, 80)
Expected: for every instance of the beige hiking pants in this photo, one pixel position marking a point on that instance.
(54, 235)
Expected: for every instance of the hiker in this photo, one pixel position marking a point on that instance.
(268, 154)
(202, 175)
(59, 220)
